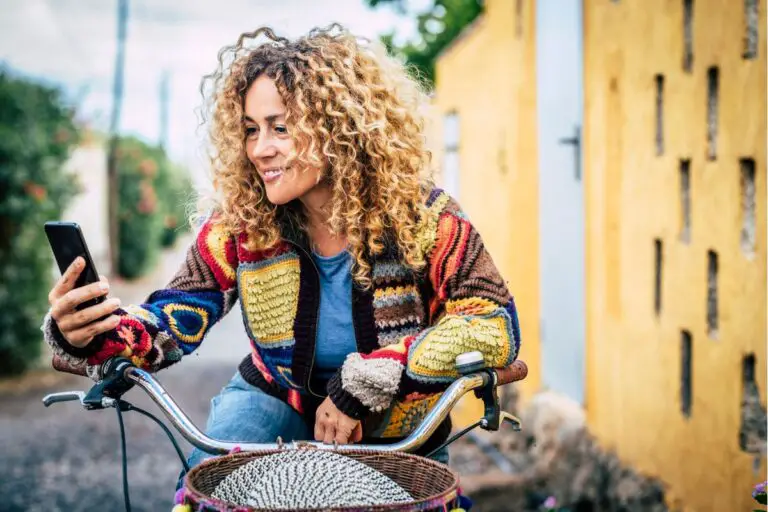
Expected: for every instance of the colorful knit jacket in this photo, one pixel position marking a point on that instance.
(409, 328)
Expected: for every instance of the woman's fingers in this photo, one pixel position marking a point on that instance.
(67, 280)
(325, 429)
(357, 434)
(71, 299)
(77, 319)
(330, 434)
(83, 336)
(342, 435)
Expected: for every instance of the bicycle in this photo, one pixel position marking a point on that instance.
(430, 484)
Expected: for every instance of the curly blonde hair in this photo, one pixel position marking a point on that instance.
(347, 101)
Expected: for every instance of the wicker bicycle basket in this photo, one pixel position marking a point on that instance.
(433, 486)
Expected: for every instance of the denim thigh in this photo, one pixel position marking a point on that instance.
(242, 412)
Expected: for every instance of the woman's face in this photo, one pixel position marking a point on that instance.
(269, 145)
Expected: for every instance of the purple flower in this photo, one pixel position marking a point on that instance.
(550, 502)
(759, 493)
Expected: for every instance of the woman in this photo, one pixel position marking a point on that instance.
(359, 282)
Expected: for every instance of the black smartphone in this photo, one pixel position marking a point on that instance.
(67, 242)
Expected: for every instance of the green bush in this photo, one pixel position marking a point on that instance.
(140, 221)
(153, 195)
(36, 135)
(175, 190)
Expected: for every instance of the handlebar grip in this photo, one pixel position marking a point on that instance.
(64, 365)
(515, 372)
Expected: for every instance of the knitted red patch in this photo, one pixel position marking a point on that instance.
(220, 255)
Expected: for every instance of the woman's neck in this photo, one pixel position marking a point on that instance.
(316, 202)
(324, 242)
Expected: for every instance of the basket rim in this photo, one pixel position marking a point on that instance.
(412, 506)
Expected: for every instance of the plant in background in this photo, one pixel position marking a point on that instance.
(438, 26)
(140, 224)
(37, 133)
(549, 505)
(760, 496)
(176, 191)
(153, 198)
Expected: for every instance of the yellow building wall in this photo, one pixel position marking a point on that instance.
(632, 198)
(488, 77)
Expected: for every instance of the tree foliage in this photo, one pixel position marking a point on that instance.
(438, 26)
(37, 133)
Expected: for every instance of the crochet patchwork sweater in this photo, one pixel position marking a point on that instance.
(409, 327)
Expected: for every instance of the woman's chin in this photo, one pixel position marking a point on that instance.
(279, 197)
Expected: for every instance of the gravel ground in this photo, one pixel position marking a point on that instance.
(66, 458)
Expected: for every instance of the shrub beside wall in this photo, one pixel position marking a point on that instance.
(37, 133)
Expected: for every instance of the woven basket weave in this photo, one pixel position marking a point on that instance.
(433, 486)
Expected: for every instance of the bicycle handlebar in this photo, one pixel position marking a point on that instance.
(131, 374)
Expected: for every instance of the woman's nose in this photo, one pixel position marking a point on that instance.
(264, 148)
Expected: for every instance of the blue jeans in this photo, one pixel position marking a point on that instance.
(242, 412)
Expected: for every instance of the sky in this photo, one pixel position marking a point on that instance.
(72, 44)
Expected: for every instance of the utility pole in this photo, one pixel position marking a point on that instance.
(164, 96)
(113, 185)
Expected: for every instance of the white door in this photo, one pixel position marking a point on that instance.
(559, 96)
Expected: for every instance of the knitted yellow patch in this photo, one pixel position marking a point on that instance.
(427, 233)
(396, 294)
(434, 356)
(470, 306)
(216, 241)
(186, 337)
(270, 297)
(406, 416)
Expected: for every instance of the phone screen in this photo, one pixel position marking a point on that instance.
(67, 243)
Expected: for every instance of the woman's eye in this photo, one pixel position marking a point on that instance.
(282, 130)
(250, 132)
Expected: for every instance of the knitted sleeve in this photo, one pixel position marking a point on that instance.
(172, 322)
(471, 310)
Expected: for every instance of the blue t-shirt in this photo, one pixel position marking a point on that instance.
(335, 330)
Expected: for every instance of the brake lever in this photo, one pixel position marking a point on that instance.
(66, 396)
(105, 393)
(89, 402)
(513, 420)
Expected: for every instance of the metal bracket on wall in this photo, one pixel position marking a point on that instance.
(575, 141)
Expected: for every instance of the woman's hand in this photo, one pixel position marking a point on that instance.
(333, 425)
(80, 327)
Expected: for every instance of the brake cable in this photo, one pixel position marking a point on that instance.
(121, 406)
(107, 393)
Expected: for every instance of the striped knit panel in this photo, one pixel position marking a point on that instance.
(397, 305)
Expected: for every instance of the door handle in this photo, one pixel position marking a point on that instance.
(575, 141)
